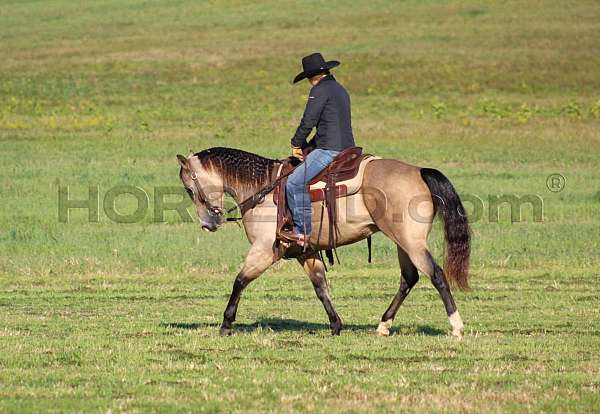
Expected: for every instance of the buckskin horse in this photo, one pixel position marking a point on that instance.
(396, 198)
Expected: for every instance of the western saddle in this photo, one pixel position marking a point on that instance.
(327, 186)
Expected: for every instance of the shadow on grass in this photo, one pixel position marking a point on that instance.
(286, 325)
(430, 331)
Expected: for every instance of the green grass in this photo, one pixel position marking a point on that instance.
(124, 317)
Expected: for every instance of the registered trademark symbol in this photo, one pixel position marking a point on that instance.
(556, 182)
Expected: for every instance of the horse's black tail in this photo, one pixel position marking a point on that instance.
(456, 226)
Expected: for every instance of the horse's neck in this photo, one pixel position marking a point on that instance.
(240, 192)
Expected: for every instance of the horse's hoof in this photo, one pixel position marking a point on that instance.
(384, 328)
(225, 331)
(457, 334)
(336, 329)
(382, 332)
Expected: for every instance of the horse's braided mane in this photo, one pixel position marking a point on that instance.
(237, 166)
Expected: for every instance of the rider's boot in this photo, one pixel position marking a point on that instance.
(300, 239)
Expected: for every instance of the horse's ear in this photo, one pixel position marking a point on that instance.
(182, 161)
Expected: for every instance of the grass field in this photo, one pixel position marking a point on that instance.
(112, 317)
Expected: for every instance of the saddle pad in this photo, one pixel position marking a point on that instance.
(342, 188)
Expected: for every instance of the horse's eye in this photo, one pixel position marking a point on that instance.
(190, 193)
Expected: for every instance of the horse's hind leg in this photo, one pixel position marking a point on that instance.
(316, 272)
(425, 262)
(413, 240)
(409, 277)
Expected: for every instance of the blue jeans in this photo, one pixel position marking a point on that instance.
(297, 197)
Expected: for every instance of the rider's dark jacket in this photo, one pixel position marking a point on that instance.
(328, 109)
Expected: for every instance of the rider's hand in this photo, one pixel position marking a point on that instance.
(297, 152)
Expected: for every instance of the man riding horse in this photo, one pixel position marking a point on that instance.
(396, 198)
(327, 109)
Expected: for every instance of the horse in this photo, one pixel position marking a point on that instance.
(396, 198)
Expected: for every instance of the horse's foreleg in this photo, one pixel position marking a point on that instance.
(316, 272)
(257, 261)
(409, 278)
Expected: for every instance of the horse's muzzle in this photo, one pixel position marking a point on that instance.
(210, 227)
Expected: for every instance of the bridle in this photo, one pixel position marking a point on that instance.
(214, 211)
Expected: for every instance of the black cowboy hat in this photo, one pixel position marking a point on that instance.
(313, 65)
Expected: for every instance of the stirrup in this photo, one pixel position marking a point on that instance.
(290, 237)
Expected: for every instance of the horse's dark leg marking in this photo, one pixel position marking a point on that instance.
(257, 261)
(323, 294)
(408, 279)
(239, 285)
(441, 284)
(316, 272)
